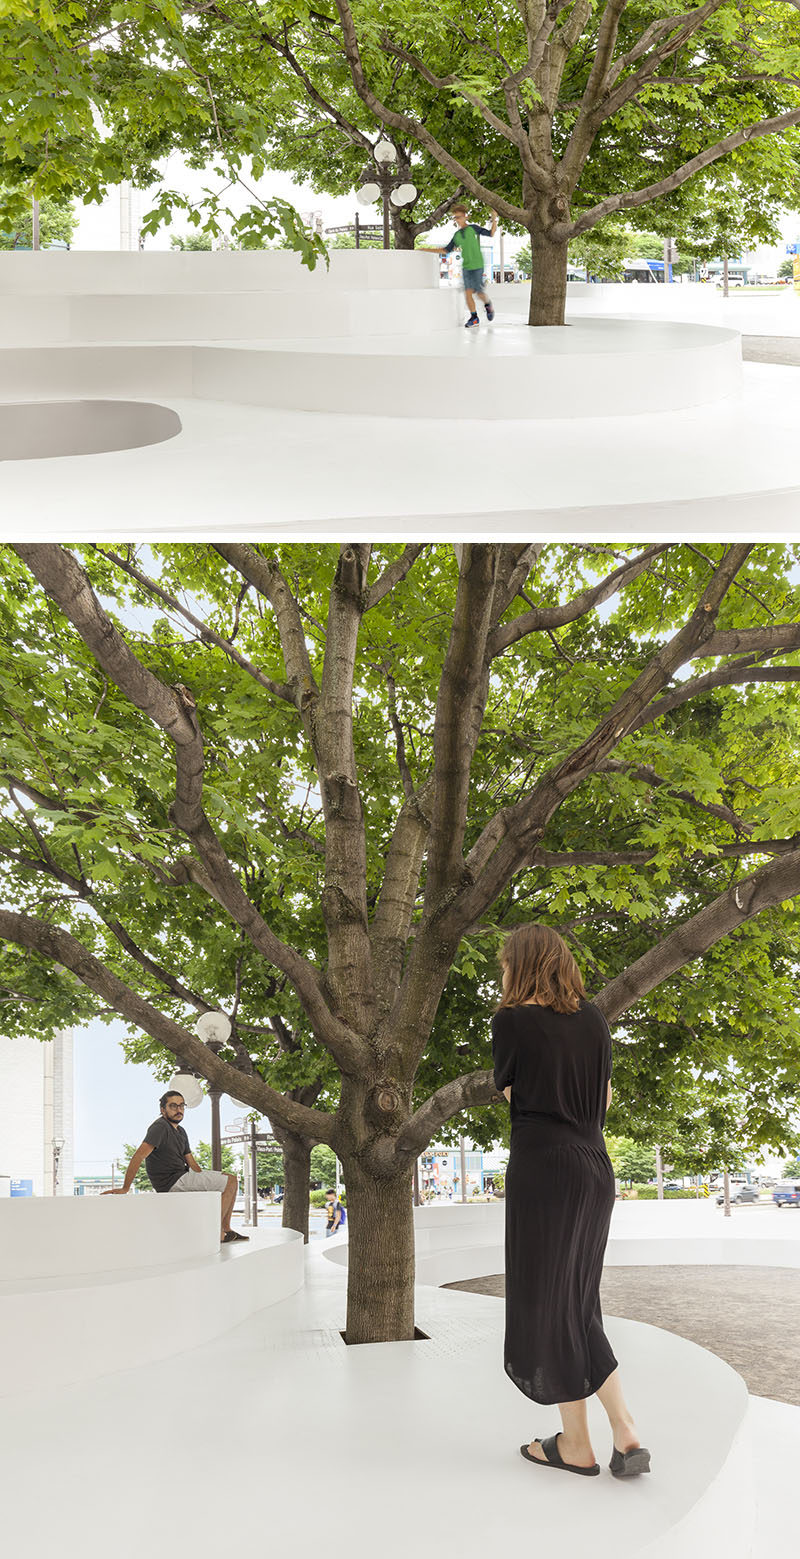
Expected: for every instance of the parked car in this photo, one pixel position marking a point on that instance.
(740, 1193)
(787, 1193)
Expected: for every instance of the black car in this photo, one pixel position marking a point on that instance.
(742, 1193)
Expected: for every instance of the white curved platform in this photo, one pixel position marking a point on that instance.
(226, 316)
(456, 1240)
(51, 272)
(74, 1326)
(718, 464)
(595, 368)
(44, 430)
(399, 1428)
(58, 1237)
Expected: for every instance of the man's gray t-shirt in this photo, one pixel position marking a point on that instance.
(166, 1163)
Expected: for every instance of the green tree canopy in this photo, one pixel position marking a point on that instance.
(203, 810)
(605, 109)
(56, 224)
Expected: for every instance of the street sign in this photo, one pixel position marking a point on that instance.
(363, 227)
(261, 1139)
(793, 248)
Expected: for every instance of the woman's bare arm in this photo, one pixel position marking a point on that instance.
(507, 1092)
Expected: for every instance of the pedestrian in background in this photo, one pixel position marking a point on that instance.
(467, 238)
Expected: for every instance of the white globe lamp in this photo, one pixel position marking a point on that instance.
(403, 195)
(385, 152)
(184, 1083)
(368, 194)
(214, 1028)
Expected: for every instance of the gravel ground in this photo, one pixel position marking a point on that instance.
(746, 1315)
(784, 350)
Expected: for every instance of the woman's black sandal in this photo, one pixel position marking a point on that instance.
(554, 1460)
(628, 1464)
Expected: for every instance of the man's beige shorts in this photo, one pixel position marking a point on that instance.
(206, 1180)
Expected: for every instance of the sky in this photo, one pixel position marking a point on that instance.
(116, 1100)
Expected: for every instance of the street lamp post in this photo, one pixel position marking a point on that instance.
(58, 1148)
(214, 1028)
(380, 185)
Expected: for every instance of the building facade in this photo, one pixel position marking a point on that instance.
(37, 1128)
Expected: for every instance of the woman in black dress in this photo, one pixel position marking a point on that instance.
(552, 1060)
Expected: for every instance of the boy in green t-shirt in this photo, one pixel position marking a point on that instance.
(466, 238)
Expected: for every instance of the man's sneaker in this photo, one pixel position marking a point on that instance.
(473, 320)
(489, 310)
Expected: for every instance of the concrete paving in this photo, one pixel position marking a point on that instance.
(745, 1315)
(781, 350)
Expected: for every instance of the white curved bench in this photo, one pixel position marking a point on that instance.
(463, 1240)
(93, 1285)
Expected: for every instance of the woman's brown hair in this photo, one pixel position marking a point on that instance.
(540, 968)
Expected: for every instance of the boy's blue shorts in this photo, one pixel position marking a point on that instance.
(473, 280)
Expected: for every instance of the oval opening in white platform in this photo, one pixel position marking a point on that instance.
(45, 430)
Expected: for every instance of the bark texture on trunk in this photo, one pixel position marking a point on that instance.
(296, 1175)
(548, 280)
(380, 1266)
(404, 234)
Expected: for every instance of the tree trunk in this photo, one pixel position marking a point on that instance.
(296, 1175)
(403, 232)
(380, 1266)
(548, 280)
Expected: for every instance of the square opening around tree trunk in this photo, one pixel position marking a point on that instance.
(419, 1336)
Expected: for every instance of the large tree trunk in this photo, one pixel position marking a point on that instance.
(380, 1266)
(296, 1175)
(548, 280)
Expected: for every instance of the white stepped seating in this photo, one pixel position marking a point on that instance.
(224, 316)
(374, 335)
(89, 1286)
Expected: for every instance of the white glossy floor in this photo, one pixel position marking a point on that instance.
(250, 469)
(277, 1437)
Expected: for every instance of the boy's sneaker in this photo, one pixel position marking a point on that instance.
(473, 320)
(489, 310)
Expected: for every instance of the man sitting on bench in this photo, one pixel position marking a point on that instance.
(171, 1166)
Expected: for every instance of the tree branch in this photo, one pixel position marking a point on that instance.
(393, 574)
(514, 568)
(772, 884)
(279, 690)
(726, 676)
(558, 616)
(665, 186)
(418, 132)
(649, 777)
(61, 947)
(460, 706)
(462, 1093)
